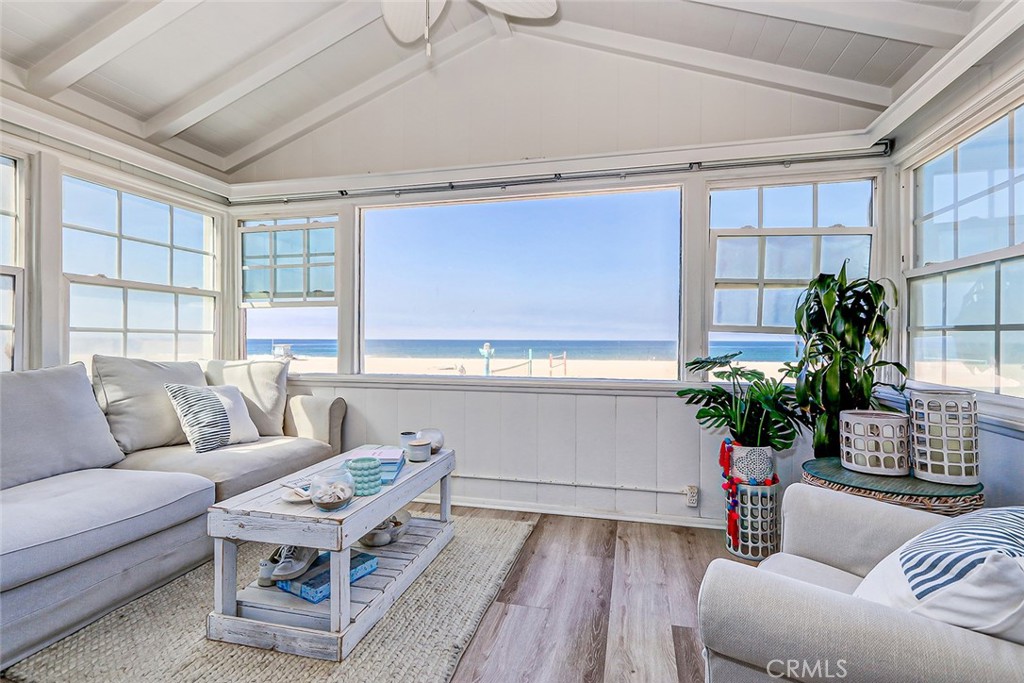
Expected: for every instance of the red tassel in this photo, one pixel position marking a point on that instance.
(723, 457)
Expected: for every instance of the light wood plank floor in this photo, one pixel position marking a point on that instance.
(594, 600)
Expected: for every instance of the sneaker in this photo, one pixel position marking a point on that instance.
(295, 560)
(267, 567)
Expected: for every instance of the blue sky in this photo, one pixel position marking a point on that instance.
(600, 266)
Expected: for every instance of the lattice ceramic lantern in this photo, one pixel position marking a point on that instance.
(875, 442)
(758, 535)
(945, 436)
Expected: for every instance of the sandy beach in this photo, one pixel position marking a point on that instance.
(574, 369)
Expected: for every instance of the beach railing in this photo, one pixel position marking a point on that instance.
(558, 362)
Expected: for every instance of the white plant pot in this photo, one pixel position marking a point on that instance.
(752, 462)
(875, 442)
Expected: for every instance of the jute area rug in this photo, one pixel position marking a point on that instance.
(162, 635)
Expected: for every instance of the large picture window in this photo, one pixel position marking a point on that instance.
(966, 310)
(767, 243)
(580, 286)
(141, 275)
(288, 291)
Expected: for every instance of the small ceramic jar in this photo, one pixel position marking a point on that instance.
(418, 451)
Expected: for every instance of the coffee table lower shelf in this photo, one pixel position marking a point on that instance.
(272, 619)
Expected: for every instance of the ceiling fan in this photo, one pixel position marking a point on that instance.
(410, 20)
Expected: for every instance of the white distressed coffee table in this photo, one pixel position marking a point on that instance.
(272, 619)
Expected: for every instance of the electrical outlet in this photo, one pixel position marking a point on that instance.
(692, 493)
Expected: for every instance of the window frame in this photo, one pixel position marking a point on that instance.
(19, 268)
(265, 213)
(1003, 408)
(757, 181)
(173, 200)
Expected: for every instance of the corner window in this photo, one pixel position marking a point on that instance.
(288, 291)
(966, 312)
(140, 275)
(767, 243)
(572, 286)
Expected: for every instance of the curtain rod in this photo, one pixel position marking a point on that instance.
(883, 148)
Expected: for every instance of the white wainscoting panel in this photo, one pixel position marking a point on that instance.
(621, 456)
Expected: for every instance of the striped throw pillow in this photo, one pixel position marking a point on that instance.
(967, 571)
(212, 417)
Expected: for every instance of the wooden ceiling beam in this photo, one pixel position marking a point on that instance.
(100, 43)
(273, 61)
(717, 63)
(906, 21)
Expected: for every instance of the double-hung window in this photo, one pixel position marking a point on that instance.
(12, 274)
(967, 278)
(140, 274)
(767, 242)
(288, 298)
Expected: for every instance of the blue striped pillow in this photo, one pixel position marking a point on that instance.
(967, 571)
(212, 417)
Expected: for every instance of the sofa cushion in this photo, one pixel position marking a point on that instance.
(54, 523)
(810, 571)
(238, 468)
(212, 417)
(131, 392)
(263, 384)
(967, 571)
(50, 424)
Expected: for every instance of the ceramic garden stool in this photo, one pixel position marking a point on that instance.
(944, 499)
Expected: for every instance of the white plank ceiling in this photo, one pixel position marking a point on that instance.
(215, 80)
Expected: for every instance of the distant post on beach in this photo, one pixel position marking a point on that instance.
(487, 352)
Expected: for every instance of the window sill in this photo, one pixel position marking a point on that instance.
(614, 387)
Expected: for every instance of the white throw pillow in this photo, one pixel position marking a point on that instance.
(212, 417)
(263, 384)
(131, 393)
(968, 571)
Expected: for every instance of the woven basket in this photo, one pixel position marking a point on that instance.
(950, 506)
(758, 508)
(945, 436)
(875, 442)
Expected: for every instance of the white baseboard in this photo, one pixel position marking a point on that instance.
(697, 522)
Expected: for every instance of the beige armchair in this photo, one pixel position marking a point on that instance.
(794, 617)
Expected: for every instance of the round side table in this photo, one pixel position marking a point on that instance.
(943, 499)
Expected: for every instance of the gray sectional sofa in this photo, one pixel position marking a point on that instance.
(101, 497)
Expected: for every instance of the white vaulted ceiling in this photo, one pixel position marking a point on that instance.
(224, 83)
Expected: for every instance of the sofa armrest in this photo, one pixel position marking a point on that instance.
(316, 417)
(761, 618)
(845, 531)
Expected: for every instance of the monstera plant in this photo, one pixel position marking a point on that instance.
(758, 411)
(844, 325)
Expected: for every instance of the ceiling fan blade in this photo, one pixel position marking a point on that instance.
(405, 18)
(524, 9)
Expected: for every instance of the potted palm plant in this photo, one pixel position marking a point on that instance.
(762, 416)
(844, 325)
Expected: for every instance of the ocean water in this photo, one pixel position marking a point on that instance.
(518, 349)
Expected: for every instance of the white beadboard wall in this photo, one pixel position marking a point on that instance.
(531, 98)
(624, 456)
